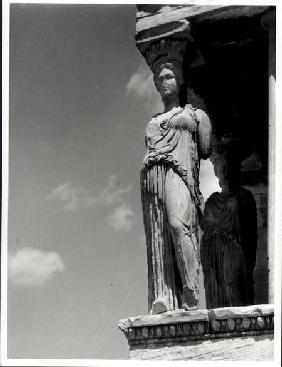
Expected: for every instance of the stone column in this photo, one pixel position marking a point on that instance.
(268, 23)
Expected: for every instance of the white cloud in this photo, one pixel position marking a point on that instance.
(121, 219)
(33, 268)
(112, 194)
(72, 197)
(142, 87)
(208, 180)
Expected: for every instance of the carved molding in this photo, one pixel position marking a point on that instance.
(185, 326)
(163, 51)
(169, 42)
(165, 44)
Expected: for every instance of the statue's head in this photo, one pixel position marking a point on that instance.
(228, 171)
(168, 78)
(222, 172)
(226, 160)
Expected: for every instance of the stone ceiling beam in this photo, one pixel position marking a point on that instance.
(165, 14)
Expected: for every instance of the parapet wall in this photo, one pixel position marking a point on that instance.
(231, 333)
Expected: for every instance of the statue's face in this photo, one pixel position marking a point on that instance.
(167, 83)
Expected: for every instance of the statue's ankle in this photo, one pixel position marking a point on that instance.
(190, 299)
(189, 308)
(159, 306)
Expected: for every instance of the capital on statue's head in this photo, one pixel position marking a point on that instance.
(166, 51)
(166, 42)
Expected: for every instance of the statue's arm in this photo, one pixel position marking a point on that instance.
(204, 134)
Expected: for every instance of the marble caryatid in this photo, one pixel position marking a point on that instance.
(229, 241)
(176, 140)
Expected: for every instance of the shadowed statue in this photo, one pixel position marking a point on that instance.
(228, 250)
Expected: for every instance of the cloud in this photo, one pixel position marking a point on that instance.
(121, 219)
(141, 86)
(112, 194)
(72, 197)
(29, 267)
(208, 180)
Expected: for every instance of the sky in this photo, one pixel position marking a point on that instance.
(81, 96)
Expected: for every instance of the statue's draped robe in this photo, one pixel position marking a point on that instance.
(172, 143)
(228, 251)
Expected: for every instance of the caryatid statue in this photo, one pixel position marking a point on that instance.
(229, 241)
(176, 140)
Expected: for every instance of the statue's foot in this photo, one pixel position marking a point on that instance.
(159, 306)
(190, 300)
(189, 308)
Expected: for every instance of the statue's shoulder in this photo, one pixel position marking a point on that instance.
(246, 196)
(245, 191)
(215, 196)
(220, 198)
(212, 203)
(156, 115)
(201, 115)
(152, 126)
(154, 118)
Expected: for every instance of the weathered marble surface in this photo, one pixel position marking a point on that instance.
(202, 334)
(258, 348)
(168, 317)
(172, 204)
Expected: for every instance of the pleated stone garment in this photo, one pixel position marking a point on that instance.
(172, 146)
(228, 250)
(160, 252)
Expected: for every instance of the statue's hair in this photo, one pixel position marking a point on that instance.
(173, 65)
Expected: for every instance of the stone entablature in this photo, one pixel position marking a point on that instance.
(175, 327)
(150, 16)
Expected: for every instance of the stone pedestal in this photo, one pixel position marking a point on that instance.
(232, 333)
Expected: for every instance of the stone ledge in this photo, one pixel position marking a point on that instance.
(169, 317)
(181, 326)
(250, 311)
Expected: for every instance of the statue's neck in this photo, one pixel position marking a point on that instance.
(225, 189)
(169, 104)
(229, 188)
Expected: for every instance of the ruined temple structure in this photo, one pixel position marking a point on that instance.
(228, 66)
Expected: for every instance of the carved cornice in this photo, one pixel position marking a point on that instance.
(182, 326)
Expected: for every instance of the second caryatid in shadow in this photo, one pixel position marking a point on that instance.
(176, 140)
(229, 241)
